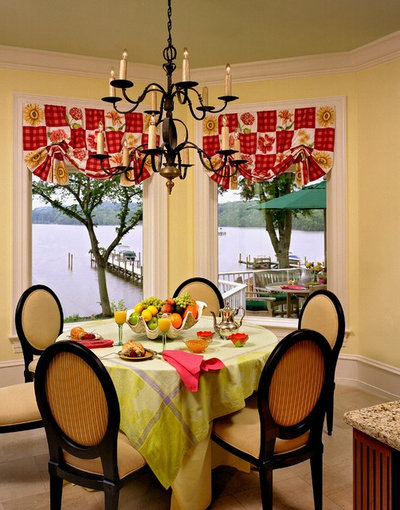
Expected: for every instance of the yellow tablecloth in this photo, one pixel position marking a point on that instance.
(162, 419)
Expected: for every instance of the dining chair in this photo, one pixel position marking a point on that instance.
(81, 415)
(39, 320)
(203, 290)
(323, 312)
(281, 424)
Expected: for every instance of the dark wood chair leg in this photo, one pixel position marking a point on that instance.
(56, 487)
(329, 412)
(266, 488)
(316, 474)
(111, 497)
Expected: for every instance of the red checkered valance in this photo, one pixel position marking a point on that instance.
(273, 140)
(54, 135)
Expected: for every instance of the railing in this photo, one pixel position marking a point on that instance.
(233, 292)
(249, 277)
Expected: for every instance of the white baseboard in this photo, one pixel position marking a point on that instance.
(370, 375)
(352, 369)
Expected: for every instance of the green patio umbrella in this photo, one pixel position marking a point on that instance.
(308, 197)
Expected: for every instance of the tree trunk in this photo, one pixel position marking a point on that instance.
(281, 243)
(103, 292)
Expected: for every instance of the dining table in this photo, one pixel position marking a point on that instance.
(170, 425)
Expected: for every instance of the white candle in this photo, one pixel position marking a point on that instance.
(125, 155)
(185, 156)
(224, 134)
(152, 133)
(100, 139)
(185, 66)
(112, 92)
(236, 143)
(228, 81)
(123, 66)
(153, 97)
(204, 95)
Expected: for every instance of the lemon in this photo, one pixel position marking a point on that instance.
(153, 309)
(147, 315)
(139, 308)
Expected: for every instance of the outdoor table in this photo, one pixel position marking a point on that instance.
(289, 293)
(170, 425)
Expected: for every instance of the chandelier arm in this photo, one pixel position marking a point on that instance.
(221, 109)
(210, 168)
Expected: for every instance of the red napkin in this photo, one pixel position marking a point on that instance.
(293, 287)
(97, 344)
(190, 365)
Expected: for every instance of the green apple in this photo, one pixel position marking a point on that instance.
(153, 323)
(133, 318)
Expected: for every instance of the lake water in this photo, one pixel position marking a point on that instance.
(77, 288)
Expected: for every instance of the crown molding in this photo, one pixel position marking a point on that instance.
(65, 63)
(374, 53)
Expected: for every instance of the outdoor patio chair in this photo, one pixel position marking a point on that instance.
(323, 312)
(81, 415)
(203, 290)
(39, 320)
(281, 424)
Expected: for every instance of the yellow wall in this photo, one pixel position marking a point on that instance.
(373, 131)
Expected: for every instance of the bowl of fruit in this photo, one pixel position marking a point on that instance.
(183, 311)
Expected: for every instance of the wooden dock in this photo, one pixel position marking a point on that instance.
(124, 267)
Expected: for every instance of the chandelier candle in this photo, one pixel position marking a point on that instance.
(224, 134)
(112, 90)
(123, 66)
(153, 99)
(125, 154)
(185, 66)
(152, 133)
(170, 158)
(236, 142)
(100, 140)
(228, 81)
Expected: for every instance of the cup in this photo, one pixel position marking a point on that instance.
(120, 319)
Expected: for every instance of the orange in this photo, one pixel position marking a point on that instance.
(191, 308)
(176, 320)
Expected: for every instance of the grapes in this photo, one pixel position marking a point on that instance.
(155, 301)
(184, 300)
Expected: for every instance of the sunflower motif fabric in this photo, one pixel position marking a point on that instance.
(274, 141)
(55, 135)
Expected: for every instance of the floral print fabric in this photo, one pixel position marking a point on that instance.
(54, 135)
(272, 141)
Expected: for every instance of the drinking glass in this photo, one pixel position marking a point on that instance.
(164, 323)
(120, 318)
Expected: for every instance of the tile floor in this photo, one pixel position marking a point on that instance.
(24, 485)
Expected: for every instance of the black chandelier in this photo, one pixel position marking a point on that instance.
(169, 159)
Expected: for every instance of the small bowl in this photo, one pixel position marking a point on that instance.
(197, 345)
(207, 335)
(238, 339)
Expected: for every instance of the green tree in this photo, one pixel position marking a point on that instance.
(278, 223)
(86, 194)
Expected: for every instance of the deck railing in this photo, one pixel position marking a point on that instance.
(233, 292)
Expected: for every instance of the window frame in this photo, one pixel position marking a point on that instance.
(206, 207)
(155, 221)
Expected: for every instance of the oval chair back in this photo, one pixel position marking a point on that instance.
(323, 312)
(203, 290)
(39, 320)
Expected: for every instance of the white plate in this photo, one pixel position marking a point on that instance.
(96, 337)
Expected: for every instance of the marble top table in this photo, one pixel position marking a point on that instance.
(382, 422)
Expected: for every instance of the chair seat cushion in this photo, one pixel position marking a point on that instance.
(32, 366)
(242, 431)
(18, 405)
(129, 459)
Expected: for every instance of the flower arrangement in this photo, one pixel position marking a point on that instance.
(317, 269)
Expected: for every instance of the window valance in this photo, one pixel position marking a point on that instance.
(272, 141)
(54, 135)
